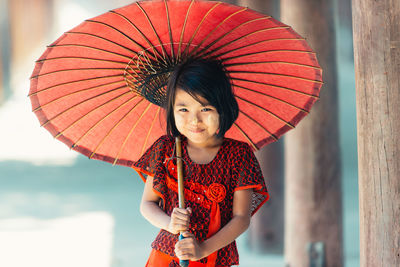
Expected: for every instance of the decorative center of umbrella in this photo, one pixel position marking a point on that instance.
(147, 74)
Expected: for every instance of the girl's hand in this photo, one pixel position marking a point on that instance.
(189, 248)
(180, 219)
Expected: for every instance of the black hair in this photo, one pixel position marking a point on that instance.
(208, 79)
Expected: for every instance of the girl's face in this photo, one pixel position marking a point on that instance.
(198, 122)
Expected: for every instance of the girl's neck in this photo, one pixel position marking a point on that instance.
(203, 153)
(210, 144)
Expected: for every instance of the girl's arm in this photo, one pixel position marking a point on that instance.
(179, 219)
(190, 249)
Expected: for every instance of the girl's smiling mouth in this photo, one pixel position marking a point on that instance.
(197, 130)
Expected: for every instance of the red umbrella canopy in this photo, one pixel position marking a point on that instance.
(90, 89)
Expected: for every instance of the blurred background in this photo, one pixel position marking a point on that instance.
(58, 208)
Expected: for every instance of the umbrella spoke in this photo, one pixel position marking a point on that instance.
(260, 42)
(170, 31)
(76, 81)
(270, 51)
(103, 38)
(266, 110)
(241, 37)
(156, 54)
(183, 30)
(114, 127)
(198, 27)
(83, 58)
(93, 110)
(273, 97)
(261, 126)
(227, 33)
(273, 62)
(275, 74)
(90, 47)
(131, 131)
(82, 69)
(149, 131)
(124, 34)
(155, 32)
(275, 86)
(246, 136)
(213, 30)
(80, 103)
(72, 93)
(103, 118)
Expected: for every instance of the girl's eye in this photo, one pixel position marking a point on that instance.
(206, 109)
(183, 109)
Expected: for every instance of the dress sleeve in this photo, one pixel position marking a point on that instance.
(247, 174)
(152, 163)
(152, 158)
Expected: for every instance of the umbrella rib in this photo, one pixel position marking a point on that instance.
(90, 47)
(276, 86)
(277, 74)
(103, 118)
(80, 103)
(80, 69)
(198, 26)
(154, 30)
(93, 110)
(155, 51)
(227, 33)
(272, 62)
(75, 92)
(169, 31)
(76, 81)
(84, 58)
(272, 51)
(124, 34)
(263, 41)
(273, 97)
(266, 110)
(213, 30)
(149, 131)
(105, 39)
(261, 126)
(245, 136)
(183, 29)
(130, 132)
(113, 128)
(243, 36)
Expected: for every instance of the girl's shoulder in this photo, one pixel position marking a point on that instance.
(236, 145)
(164, 141)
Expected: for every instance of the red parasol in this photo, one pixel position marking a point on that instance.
(90, 87)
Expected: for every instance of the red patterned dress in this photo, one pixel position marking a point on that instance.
(209, 190)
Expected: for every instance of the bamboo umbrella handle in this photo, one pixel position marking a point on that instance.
(181, 195)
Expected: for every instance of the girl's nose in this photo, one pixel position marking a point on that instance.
(194, 120)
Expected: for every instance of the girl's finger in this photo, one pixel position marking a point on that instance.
(182, 211)
(183, 253)
(187, 234)
(180, 215)
(180, 221)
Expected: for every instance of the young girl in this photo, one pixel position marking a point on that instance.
(223, 184)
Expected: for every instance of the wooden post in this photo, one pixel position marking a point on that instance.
(313, 207)
(4, 45)
(30, 21)
(265, 234)
(233, 2)
(376, 27)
